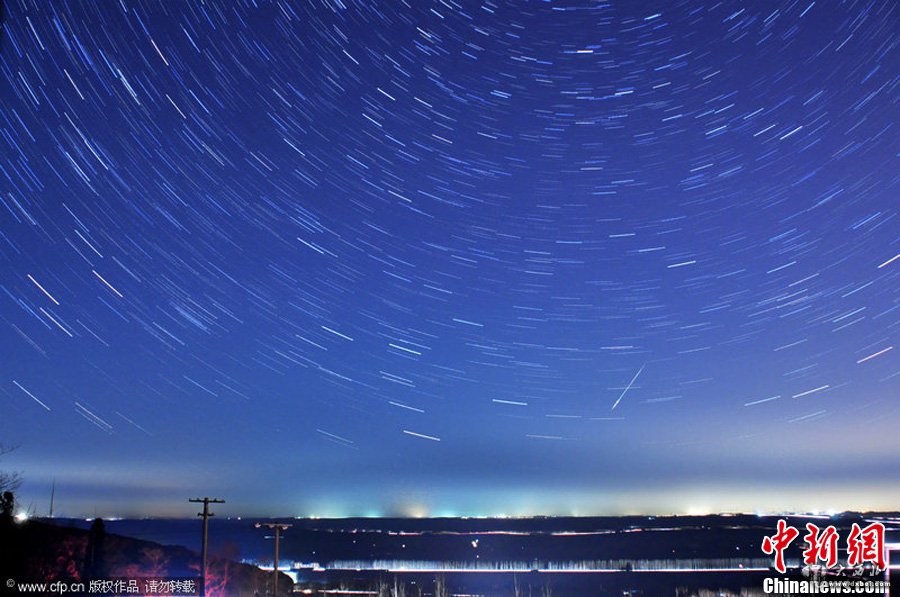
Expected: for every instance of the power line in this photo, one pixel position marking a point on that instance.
(278, 526)
(205, 514)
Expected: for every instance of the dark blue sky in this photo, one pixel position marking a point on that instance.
(333, 258)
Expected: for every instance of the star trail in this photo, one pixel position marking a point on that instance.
(353, 258)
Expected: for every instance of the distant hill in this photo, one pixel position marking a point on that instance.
(498, 539)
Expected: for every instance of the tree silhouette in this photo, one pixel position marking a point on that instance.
(95, 562)
(8, 481)
(7, 506)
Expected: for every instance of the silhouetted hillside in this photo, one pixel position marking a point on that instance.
(38, 552)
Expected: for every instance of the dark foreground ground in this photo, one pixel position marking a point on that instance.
(43, 558)
(705, 555)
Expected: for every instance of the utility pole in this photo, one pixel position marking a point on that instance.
(278, 528)
(205, 514)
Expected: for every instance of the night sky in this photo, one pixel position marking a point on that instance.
(350, 258)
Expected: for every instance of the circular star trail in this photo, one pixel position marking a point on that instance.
(348, 257)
